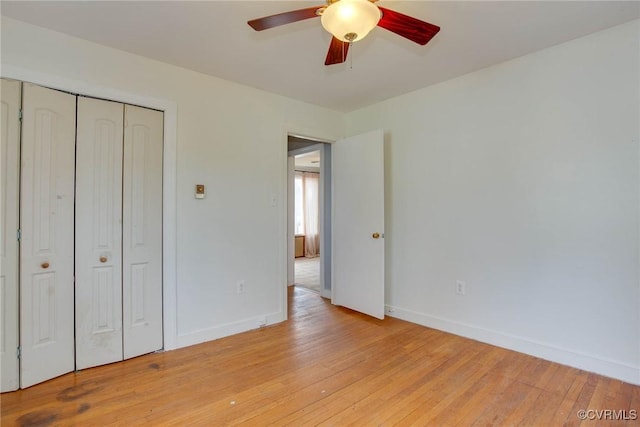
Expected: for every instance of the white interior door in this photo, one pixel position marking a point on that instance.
(9, 175)
(98, 304)
(46, 218)
(142, 231)
(358, 223)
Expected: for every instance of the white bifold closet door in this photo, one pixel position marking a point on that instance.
(98, 305)
(90, 280)
(9, 179)
(46, 219)
(142, 231)
(118, 232)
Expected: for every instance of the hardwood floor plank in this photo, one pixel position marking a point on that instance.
(504, 409)
(634, 406)
(343, 372)
(431, 394)
(325, 366)
(377, 398)
(566, 412)
(585, 396)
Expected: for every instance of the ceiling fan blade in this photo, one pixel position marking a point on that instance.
(337, 52)
(406, 26)
(283, 18)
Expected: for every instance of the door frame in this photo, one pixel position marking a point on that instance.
(324, 214)
(325, 139)
(169, 176)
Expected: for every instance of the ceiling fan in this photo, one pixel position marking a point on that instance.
(350, 21)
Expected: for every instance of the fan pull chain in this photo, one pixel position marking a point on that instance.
(343, 55)
(350, 56)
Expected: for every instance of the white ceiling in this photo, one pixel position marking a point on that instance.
(213, 37)
(308, 160)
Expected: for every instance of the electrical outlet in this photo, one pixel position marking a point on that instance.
(241, 287)
(461, 287)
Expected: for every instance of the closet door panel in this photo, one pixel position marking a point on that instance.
(9, 169)
(142, 231)
(99, 232)
(46, 250)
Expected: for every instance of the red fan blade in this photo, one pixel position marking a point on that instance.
(410, 28)
(283, 18)
(337, 52)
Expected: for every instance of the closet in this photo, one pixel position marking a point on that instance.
(90, 233)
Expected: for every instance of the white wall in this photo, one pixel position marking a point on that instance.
(231, 138)
(523, 181)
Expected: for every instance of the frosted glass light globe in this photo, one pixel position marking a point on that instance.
(350, 20)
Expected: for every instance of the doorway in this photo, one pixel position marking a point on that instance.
(309, 215)
(307, 251)
(351, 206)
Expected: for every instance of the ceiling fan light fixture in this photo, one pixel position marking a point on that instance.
(350, 20)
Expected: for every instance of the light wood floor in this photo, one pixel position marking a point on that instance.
(326, 366)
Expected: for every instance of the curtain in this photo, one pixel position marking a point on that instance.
(310, 184)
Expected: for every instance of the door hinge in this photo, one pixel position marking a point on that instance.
(18, 234)
(20, 115)
(19, 352)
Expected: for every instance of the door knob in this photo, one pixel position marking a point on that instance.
(44, 265)
(375, 235)
(103, 259)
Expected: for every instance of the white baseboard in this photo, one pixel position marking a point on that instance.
(587, 362)
(225, 330)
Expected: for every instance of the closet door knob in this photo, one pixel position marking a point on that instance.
(44, 265)
(376, 235)
(103, 259)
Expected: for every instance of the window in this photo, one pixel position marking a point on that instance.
(299, 204)
(306, 186)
